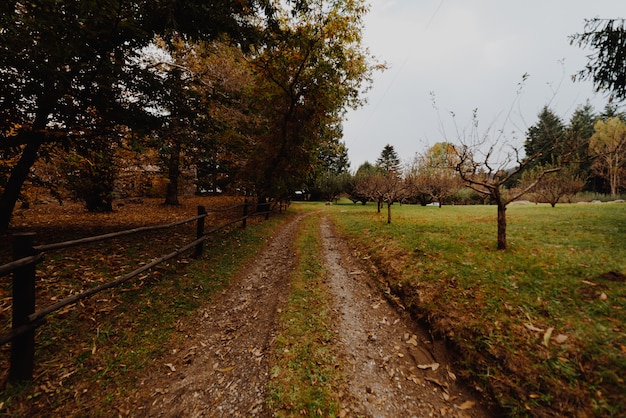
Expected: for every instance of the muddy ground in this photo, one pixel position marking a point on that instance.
(395, 369)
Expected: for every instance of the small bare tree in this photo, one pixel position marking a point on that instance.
(565, 183)
(483, 173)
(384, 189)
(487, 164)
(393, 189)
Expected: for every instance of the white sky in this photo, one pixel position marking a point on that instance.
(471, 54)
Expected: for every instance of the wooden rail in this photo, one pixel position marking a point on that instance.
(26, 256)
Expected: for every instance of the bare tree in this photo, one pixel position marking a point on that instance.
(393, 188)
(383, 189)
(565, 183)
(488, 175)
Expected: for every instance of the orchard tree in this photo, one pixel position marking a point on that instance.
(487, 174)
(487, 164)
(64, 62)
(382, 183)
(565, 182)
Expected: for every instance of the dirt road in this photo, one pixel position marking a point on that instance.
(394, 368)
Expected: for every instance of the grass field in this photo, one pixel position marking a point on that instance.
(540, 326)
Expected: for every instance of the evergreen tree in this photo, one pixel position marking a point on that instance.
(545, 139)
(578, 132)
(388, 162)
(607, 65)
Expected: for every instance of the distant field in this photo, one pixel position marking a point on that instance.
(540, 326)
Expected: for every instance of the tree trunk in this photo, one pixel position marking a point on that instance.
(613, 178)
(388, 212)
(501, 226)
(173, 175)
(19, 174)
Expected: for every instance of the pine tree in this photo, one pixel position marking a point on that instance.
(388, 162)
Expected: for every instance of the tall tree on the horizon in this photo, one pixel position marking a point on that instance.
(388, 162)
(545, 139)
(310, 70)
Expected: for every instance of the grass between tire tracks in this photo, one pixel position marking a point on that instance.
(540, 326)
(89, 358)
(305, 376)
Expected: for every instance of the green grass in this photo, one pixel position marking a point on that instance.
(304, 375)
(445, 266)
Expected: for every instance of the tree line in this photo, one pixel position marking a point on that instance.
(248, 94)
(557, 162)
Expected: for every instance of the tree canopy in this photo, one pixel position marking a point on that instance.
(606, 65)
(71, 69)
(75, 72)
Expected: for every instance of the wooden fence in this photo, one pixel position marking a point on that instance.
(26, 256)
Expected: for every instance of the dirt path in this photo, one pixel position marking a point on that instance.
(394, 368)
(223, 371)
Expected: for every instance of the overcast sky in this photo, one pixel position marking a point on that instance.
(470, 54)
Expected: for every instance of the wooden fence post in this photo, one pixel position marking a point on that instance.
(23, 345)
(200, 232)
(245, 212)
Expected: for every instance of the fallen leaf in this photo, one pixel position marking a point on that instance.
(171, 366)
(433, 366)
(533, 328)
(443, 385)
(561, 338)
(547, 336)
(603, 296)
(467, 405)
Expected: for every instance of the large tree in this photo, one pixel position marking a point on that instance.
(578, 132)
(609, 145)
(310, 70)
(607, 63)
(67, 65)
